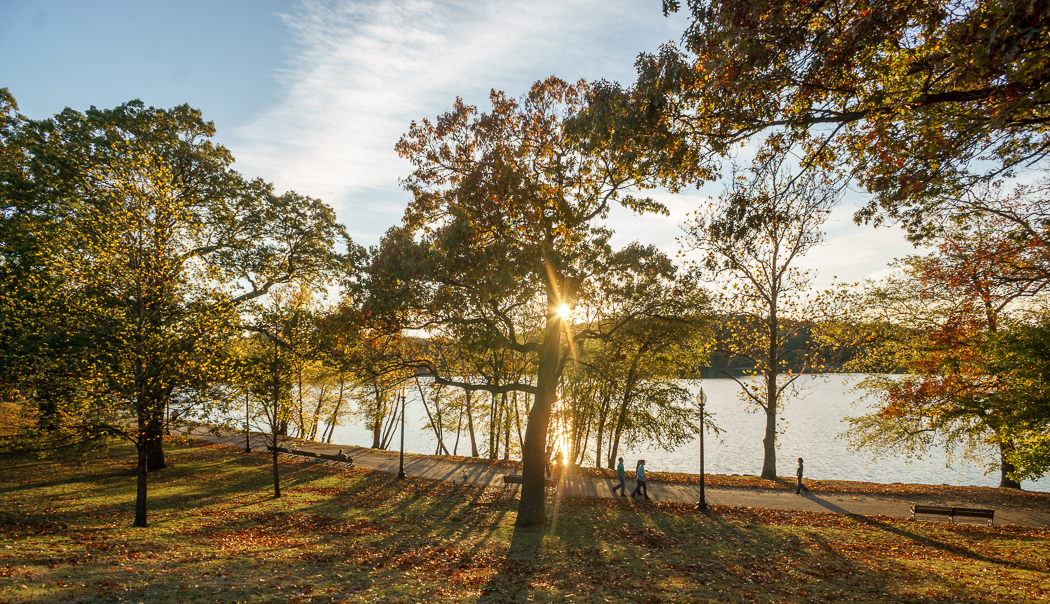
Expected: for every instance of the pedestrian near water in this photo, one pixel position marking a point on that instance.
(622, 487)
(798, 474)
(639, 475)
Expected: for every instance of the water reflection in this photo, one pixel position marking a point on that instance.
(810, 428)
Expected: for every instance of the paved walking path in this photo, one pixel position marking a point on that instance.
(485, 474)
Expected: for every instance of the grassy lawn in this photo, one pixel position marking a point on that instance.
(217, 535)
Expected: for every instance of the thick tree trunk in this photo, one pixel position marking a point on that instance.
(1005, 468)
(155, 443)
(531, 510)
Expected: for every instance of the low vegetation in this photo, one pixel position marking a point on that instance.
(356, 535)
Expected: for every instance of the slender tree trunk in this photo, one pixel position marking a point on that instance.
(299, 401)
(316, 419)
(506, 431)
(377, 423)
(435, 426)
(335, 413)
(388, 432)
(600, 428)
(470, 428)
(517, 419)
(621, 420)
(459, 424)
(493, 422)
(769, 441)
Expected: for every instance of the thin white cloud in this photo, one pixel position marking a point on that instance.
(361, 72)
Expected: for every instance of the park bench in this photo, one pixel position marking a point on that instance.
(517, 479)
(337, 459)
(952, 512)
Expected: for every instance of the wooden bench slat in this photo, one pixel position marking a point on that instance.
(952, 512)
(975, 512)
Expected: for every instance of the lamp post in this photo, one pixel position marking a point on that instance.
(701, 398)
(401, 470)
(247, 432)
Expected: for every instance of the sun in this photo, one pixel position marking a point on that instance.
(564, 311)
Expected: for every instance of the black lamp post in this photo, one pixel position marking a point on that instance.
(701, 398)
(247, 432)
(401, 471)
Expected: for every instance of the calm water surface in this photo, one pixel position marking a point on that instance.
(810, 428)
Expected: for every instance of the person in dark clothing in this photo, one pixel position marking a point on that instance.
(798, 474)
(639, 474)
(622, 487)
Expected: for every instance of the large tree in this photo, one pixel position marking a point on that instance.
(921, 99)
(752, 241)
(964, 345)
(145, 243)
(502, 239)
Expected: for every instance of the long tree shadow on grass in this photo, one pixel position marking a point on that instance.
(515, 571)
(927, 541)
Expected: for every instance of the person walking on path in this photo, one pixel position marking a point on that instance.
(639, 475)
(798, 474)
(622, 487)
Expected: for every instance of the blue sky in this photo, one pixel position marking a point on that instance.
(313, 95)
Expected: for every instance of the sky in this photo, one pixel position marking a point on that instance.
(313, 95)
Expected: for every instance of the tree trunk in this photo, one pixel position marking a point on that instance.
(470, 428)
(1005, 467)
(140, 497)
(769, 441)
(335, 413)
(506, 432)
(517, 419)
(153, 407)
(322, 390)
(155, 442)
(435, 425)
(493, 432)
(531, 507)
(377, 424)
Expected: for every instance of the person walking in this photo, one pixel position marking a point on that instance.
(798, 474)
(622, 487)
(639, 475)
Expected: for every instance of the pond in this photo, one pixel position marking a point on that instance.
(811, 427)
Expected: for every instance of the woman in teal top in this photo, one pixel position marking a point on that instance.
(639, 474)
(622, 487)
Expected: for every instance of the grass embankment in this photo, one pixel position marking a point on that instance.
(217, 535)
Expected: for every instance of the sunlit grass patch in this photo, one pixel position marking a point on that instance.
(216, 534)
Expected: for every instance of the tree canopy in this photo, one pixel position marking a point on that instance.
(922, 100)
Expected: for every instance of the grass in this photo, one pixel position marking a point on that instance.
(216, 534)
